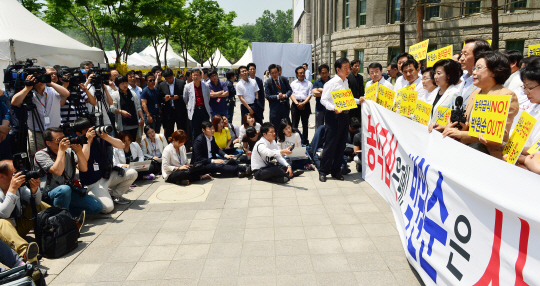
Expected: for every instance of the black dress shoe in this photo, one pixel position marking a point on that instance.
(297, 173)
(322, 178)
(338, 177)
(345, 171)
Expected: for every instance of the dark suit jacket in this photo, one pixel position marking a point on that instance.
(179, 104)
(271, 90)
(260, 84)
(356, 84)
(200, 150)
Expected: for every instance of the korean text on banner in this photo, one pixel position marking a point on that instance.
(534, 148)
(408, 103)
(489, 116)
(422, 112)
(371, 92)
(534, 50)
(419, 51)
(399, 95)
(440, 54)
(443, 113)
(518, 138)
(385, 97)
(344, 99)
(457, 221)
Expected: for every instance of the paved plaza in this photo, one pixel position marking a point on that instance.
(241, 232)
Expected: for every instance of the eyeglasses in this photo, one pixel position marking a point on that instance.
(529, 88)
(152, 80)
(57, 140)
(426, 78)
(479, 68)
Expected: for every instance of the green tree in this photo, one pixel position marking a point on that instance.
(183, 33)
(234, 49)
(248, 33)
(33, 6)
(265, 27)
(283, 26)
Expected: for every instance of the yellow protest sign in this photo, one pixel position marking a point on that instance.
(489, 116)
(419, 51)
(371, 91)
(443, 113)
(422, 112)
(534, 50)
(408, 103)
(399, 95)
(344, 99)
(534, 148)
(385, 97)
(410, 87)
(440, 54)
(520, 135)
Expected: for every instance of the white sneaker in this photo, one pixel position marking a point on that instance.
(121, 200)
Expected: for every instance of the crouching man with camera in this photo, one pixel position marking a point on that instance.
(15, 208)
(101, 175)
(59, 161)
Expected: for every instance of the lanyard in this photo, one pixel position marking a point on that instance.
(46, 96)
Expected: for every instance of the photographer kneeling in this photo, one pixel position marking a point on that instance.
(58, 161)
(101, 175)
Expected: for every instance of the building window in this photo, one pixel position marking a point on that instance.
(516, 45)
(432, 12)
(392, 54)
(361, 18)
(516, 5)
(346, 10)
(344, 54)
(431, 48)
(359, 55)
(472, 7)
(394, 17)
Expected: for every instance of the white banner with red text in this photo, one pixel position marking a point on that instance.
(464, 217)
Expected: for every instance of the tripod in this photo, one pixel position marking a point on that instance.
(22, 139)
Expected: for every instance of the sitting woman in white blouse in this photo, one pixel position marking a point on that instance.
(131, 153)
(175, 165)
(248, 120)
(288, 137)
(153, 144)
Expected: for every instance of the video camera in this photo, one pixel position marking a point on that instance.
(22, 165)
(458, 113)
(15, 75)
(102, 75)
(74, 76)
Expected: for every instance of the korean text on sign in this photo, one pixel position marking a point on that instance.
(408, 103)
(534, 148)
(419, 51)
(443, 113)
(440, 54)
(385, 97)
(344, 99)
(520, 135)
(422, 112)
(371, 92)
(489, 116)
(534, 50)
(399, 95)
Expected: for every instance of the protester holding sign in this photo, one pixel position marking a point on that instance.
(492, 69)
(375, 73)
(411, 71)
(446, 76)
(401, 81)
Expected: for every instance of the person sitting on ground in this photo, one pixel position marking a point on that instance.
(250, 139)
(16, 211)
(100, 176)
(266, 150)
(354, 129)
(222, 136)
(248, 120)
(131, 153)
(288, 137)
(446, 76)
(206, 151)
(10, 258)
(175, 166)
(233, 129)
(59, 163)
(491, 70)
(153, 143)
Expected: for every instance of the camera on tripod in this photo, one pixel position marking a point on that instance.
(15, 75)
(74, 76)
(101, 75)
(22, 165)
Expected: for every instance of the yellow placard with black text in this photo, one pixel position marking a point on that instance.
(521, 133)
(534, 50)
(371, 91)
(399, 95)
(440, 54)
(385, 97)
(534, 148)
(344, 99)
(408, 103)
(489, 115)
(422, 112)
(419, 51)
(443, 113)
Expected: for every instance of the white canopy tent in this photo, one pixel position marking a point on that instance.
(23, 35)
(245, 59)
(173, 59)
(218, 60)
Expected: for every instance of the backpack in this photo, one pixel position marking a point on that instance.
(56, 232)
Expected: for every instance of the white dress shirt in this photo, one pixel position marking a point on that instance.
(466, 87)
(247, 89)
(171, 159)
(308, 75)
(334, 84)
(381, 82)
(401, 82)
(119, 157)
(301, 89)
(48, 106)
(514, 84)
(209, 146)
(137, 90)
(264, 152)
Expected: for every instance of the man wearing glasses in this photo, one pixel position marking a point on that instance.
(150, 103)
(59, 161)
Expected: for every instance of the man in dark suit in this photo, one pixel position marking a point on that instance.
(356, 84)
(252, 70)
(206, 151)
(278, 91)
(172, 105)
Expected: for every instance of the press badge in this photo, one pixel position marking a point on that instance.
(218, 100)
(96, 167)
(47, 120)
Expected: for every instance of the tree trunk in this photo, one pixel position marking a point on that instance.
(402, 26)
(494, 25)
(166, 47)
(419, 21)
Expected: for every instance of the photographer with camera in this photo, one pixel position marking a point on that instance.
(46, 97)
(100, 175)
(15, 207)
(59, 162)
(71, 109)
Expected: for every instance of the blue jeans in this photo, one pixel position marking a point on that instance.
(62, 197)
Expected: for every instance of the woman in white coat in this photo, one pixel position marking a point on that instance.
(131, 153)
(446, 75)
(153, 143)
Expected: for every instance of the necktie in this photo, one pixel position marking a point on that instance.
(277, 84)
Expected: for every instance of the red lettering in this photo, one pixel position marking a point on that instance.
(371, 154)
(505, 107)
(492, 270)
(493, 106)
(500, 107)
(522, 257)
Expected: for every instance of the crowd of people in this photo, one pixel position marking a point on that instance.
(92, 136)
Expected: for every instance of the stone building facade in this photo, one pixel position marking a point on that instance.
(367, 29)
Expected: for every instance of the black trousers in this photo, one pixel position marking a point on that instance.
(221, 168)
(199, 115)
(337, 127)
(181, 121)
(267, 173)
(277, 113)
(179, 175)
(297, 115)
